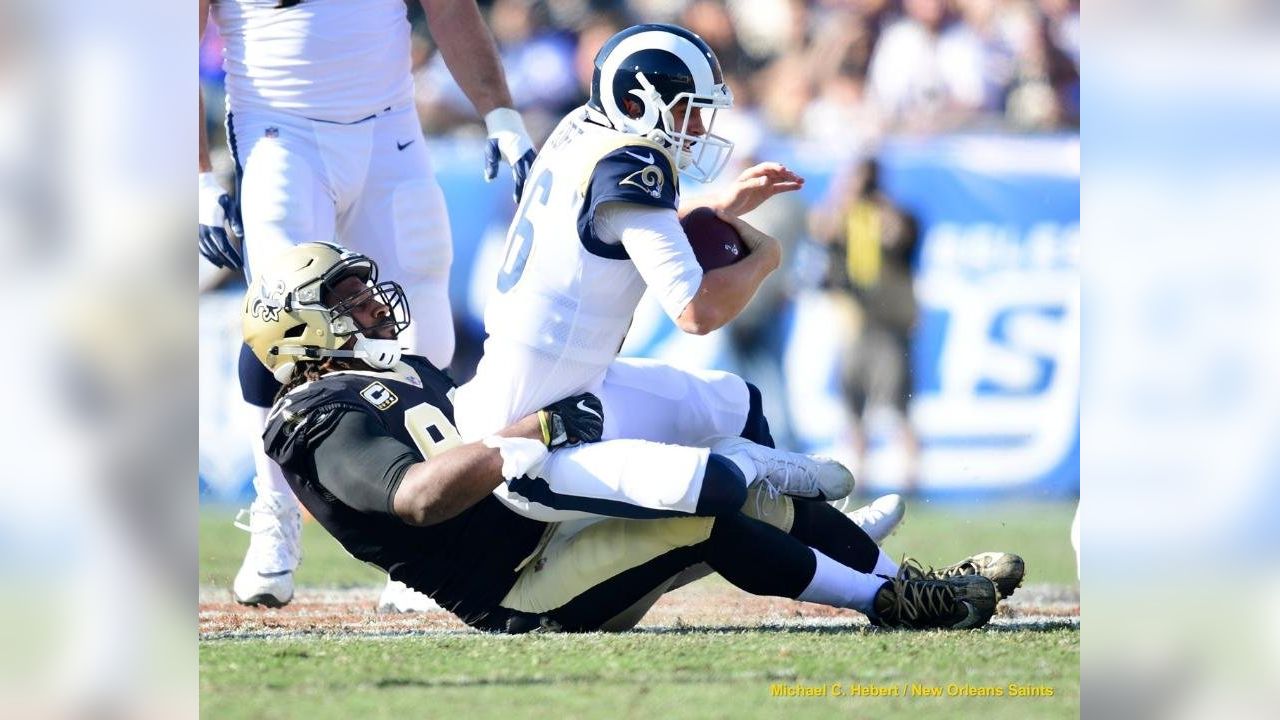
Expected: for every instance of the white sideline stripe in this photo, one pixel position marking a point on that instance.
(1031, 594)
(1030, 622)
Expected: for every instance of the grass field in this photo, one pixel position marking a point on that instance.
(699, 653)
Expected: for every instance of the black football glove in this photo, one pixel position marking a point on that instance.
(574, 420)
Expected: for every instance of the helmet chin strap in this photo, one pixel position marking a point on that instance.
(380, 354)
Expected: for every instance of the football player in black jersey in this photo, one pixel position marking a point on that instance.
(365, 436)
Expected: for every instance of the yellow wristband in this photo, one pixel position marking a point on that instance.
(546, 431)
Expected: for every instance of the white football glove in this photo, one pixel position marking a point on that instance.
(509, 140)
(217, 213)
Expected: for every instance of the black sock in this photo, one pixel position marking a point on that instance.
(724, 488)
(830, 531)
(758, 557)
(756, 428)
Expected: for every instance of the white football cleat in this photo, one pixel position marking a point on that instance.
(879, 518)
(806, 476)
(275, 531)
(400, 598)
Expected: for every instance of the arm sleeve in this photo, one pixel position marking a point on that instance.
(361, 464)
(659, 248)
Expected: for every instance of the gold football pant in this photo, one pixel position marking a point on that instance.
(606, 574)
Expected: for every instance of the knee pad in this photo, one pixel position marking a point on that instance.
(757, 427)
(420, 232)
(257, 385)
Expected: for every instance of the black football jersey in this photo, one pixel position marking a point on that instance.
(466, 564)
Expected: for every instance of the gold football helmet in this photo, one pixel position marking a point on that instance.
(289, 312)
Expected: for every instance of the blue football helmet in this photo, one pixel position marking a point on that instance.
(658, 66)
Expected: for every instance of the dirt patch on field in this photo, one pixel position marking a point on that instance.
(703, 604)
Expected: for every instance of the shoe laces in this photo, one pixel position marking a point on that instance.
(778, 461)
(917, 595)
(916, 571)
(964, 567)
(770, 491)
(273, 535)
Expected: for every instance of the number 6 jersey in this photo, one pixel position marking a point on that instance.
(565, 296)
(345, 442)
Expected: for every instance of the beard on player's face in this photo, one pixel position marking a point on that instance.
(367, 311)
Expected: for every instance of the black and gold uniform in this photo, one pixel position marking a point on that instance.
(345, 442)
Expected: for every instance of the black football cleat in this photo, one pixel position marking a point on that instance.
(1003, 569)
(911, 600)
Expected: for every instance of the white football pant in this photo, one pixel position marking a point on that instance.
(658, 423)
(368, 186)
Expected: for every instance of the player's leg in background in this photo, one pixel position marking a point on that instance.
(394, 212)
(285, 200)
(399, 219)
(853, 391)
(286, 197)
(857, 375)
(900, 395)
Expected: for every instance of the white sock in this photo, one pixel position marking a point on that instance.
(268, 479)
(885, 566)
(840, 586)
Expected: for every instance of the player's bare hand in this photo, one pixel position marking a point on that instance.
(757, 184)
(759, 243)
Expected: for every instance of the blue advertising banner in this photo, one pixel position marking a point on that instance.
(997, 351)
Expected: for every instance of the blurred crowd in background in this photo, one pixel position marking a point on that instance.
(838, 73)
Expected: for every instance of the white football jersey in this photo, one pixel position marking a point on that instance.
(565, 298)
(333, 60)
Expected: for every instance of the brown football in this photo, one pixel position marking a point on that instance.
(715, 242)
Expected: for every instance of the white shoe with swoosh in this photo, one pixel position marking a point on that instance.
(275, 549)
(879, 518)
(806, 476)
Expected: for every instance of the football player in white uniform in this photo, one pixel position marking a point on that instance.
(597, 226)
(328, 146)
